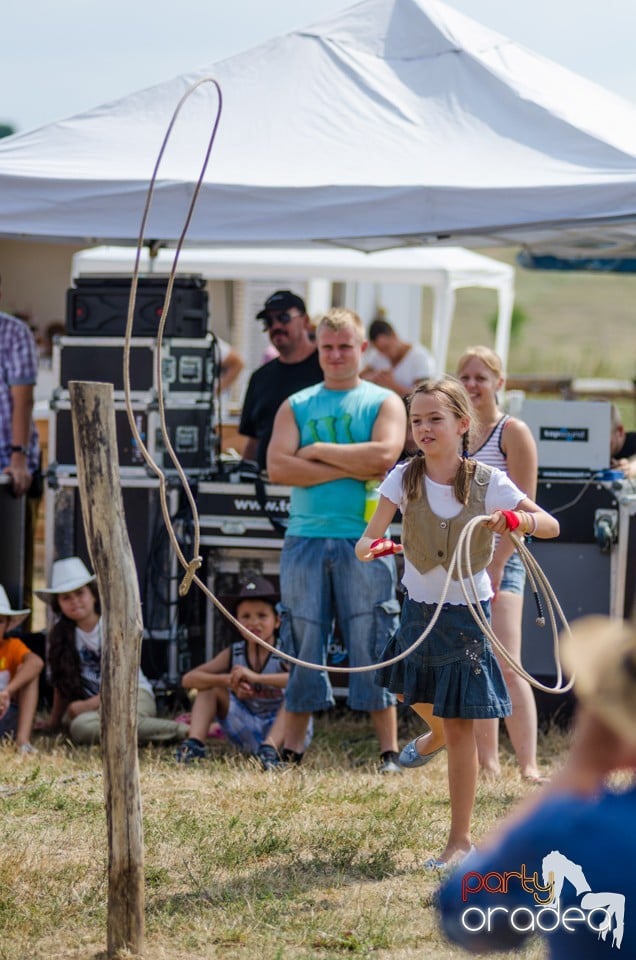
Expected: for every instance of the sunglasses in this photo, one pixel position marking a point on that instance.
(283, 318)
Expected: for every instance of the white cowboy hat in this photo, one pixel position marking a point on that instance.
(17, 616)
(66, 575)
(601, 654)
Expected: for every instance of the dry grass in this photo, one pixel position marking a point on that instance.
(322, 862)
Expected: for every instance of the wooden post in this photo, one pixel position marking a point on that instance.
(93, 415)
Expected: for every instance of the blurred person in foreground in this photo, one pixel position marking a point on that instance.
(562, 864)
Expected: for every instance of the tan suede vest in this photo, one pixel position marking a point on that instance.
(429, 541)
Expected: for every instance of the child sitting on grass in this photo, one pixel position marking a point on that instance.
(242, 686)
(74, 662)
(20, 671)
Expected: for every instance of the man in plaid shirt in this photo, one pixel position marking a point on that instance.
(19, 445)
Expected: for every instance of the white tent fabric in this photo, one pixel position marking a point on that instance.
(444, 269)
(397, 121)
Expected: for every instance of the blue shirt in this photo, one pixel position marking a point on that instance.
(590, 847)
(334, 509)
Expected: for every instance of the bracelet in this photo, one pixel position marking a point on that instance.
(18, 448)
(534, 518)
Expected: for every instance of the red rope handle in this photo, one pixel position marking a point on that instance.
(512, 518)
(392, 547)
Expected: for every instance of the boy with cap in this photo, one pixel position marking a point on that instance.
(20, 670)
(285, 318)
(242, 686)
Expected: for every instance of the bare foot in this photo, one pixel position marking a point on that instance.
(533, 775)
(490, 773)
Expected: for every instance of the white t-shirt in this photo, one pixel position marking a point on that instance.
(415, 365)
(502, 494)
(89, 648)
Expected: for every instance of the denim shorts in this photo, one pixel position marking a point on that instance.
(453, 668)
(514, 575)
(247, 730)
(322, 579)
(9, 723)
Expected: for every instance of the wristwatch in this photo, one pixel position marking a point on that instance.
(18, 448)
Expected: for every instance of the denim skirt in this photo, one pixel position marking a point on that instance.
(453, 668)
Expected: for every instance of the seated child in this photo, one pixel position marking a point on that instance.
(242, 686)
(74, 650)
(20, 671)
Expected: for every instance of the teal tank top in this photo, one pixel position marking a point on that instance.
(336, 508)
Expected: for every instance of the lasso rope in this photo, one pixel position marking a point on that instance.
(191, 566)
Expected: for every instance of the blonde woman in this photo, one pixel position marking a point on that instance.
(507, 443)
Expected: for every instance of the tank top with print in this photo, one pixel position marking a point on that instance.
(267, 698)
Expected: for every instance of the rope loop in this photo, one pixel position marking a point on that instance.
(186, 583)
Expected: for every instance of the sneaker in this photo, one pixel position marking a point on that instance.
(190, 750)
(268, 757)
(290, 757)
(27, 748)
(389, 762)
(409, 757)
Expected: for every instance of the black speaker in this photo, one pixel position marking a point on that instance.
(12, 523)
(173, 639)
(97, 306)
(62, 442)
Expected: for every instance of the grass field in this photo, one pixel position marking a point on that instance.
(319, 863)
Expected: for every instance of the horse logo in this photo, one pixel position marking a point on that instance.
(556, 869)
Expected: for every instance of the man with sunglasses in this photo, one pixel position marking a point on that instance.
(285, 318)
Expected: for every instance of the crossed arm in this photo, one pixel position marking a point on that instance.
(320, 462)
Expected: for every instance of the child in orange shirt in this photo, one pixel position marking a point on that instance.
(20, 670)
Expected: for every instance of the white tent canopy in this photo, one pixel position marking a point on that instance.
(445, 270)
(396, 121)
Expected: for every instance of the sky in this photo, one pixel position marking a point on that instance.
(61, 57)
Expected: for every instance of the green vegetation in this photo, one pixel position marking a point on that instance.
(578, 324)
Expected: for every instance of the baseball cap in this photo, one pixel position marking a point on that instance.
(282, 300)
(257, 588)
